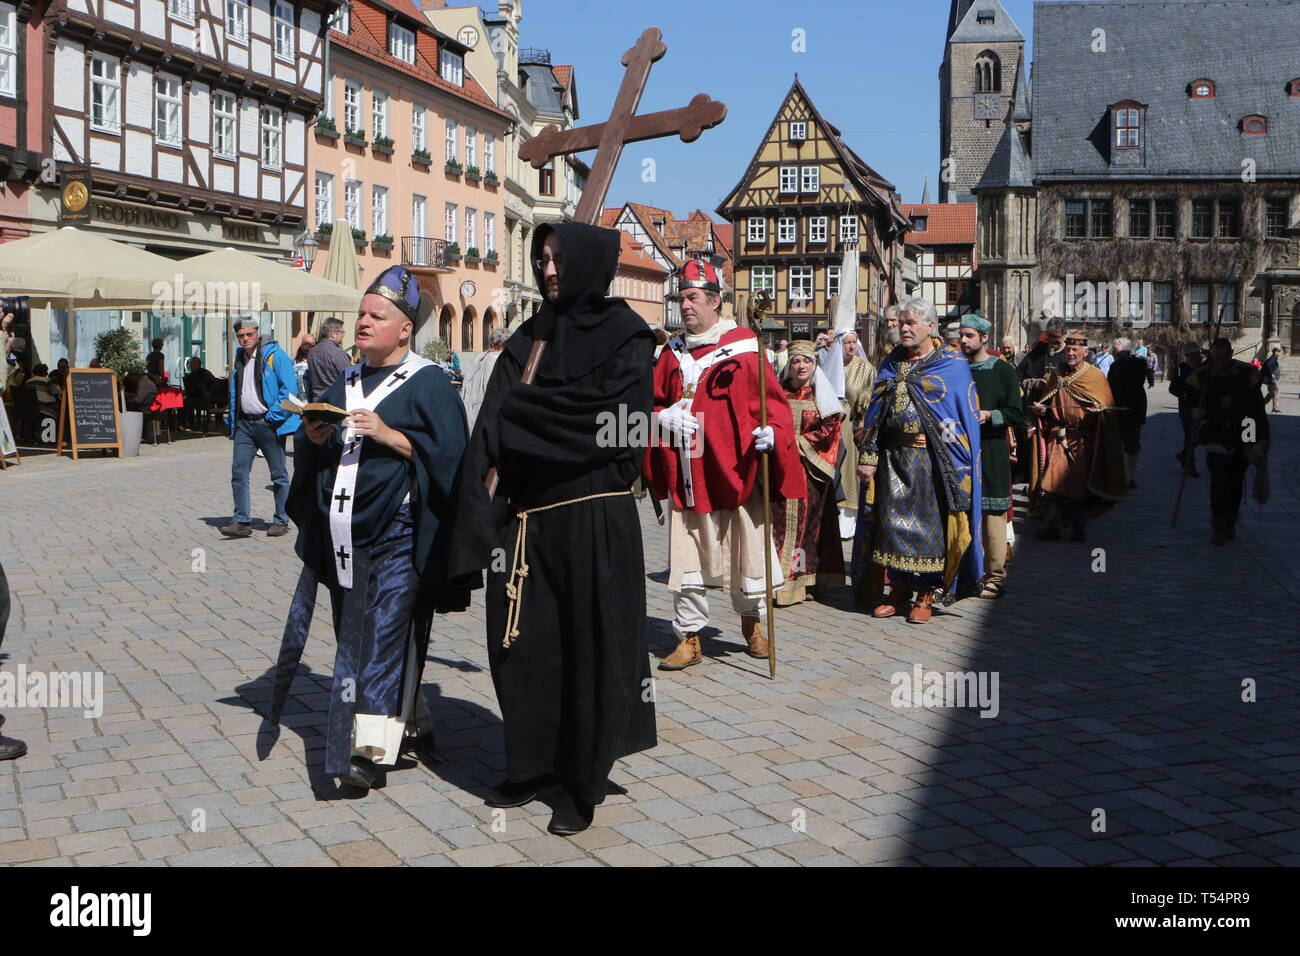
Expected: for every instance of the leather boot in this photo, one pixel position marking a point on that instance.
(899, 597)
(687, 653)
(920, 613)
(752, 628)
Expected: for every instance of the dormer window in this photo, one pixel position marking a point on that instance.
(401, 43)
(1127, 117)
(1254, 126)
(985, 17)
(920, 223)
(451, 66)
(1294, 87)
(1202, 90)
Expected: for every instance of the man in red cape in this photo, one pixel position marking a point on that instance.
(705, 458)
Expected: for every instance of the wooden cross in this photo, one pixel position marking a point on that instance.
(608, 139)
(623, 127)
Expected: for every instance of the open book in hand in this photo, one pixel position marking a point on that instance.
(319, 411)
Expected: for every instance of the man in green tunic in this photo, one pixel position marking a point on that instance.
(1001, 408)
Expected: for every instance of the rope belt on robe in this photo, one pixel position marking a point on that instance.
(519, 564)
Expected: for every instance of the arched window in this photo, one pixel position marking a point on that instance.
(467, 329)
(489, 323)
(1202, 90)
(988, 73)
(445, 321)
(1254, 125)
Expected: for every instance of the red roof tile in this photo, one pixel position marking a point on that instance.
(950, 223)
(632, 254)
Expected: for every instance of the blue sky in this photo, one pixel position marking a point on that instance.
(870, 66)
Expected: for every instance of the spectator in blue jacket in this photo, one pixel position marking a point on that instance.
(258, 423)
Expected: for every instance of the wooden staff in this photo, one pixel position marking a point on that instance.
(754, 316)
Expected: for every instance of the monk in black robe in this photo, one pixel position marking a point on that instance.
(373, 497)
(561, 538)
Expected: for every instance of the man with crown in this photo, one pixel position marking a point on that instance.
(373, 497)
(704, 458)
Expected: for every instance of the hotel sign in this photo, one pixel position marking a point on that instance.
(142, 217)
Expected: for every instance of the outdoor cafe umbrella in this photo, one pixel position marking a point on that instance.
(70, 265)
(246, 282)
(341, 267)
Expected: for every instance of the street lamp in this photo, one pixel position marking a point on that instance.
(305, 246)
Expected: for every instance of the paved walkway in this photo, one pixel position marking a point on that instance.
(1119, 695)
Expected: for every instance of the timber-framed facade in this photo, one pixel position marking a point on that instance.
(804, 198)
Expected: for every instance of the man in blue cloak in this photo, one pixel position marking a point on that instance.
(920, 446)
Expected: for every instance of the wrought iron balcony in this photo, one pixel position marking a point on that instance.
(424, 252)
(533, 56)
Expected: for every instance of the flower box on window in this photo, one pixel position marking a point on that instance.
(452, 252)
(472, 254)
(355, 137)
(454, 167)
(491, 258)
(490, 178)
(324, 231)
(382, 144)
(472, 172)
(421, 157)
(326, 129)
(382, 243)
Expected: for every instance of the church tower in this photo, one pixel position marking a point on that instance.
(983, 54)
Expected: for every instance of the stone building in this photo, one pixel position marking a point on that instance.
(983, 55)
(1163, 158)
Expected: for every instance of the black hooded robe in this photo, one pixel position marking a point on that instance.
(574, 686)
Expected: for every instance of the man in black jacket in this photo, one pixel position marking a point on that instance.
(1130, 376)
(1193, 356)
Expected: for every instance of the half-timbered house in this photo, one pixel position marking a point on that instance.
(803, 199)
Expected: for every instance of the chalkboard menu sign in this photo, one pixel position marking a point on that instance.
(88, 417)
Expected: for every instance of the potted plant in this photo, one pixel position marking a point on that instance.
(437, 351)
(471, 172)
(354, 137)
(471, 254)
(421, 157)
(491, 258)
(326, 128)
(454, 167)
(383, 145)
(359, 237)
(382, 243)
(323, 231)
(119, 349)
(453, 252)
(490, 177)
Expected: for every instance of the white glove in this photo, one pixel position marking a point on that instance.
(764, 438)
(677, 425)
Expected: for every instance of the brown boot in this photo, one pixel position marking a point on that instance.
(896, 602)
(752, 628)
(920, 613)
(687, 653)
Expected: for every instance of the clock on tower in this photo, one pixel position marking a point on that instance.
(988, 106)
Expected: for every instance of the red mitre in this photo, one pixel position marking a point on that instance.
(699, 274)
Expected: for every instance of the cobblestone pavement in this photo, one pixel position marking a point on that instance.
(1120, 691)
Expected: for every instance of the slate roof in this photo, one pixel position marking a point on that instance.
(1002, 30)
(1010, 166)
(1154, 52)
(1020, 102)
(542, 88)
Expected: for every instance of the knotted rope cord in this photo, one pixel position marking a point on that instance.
(519, 565)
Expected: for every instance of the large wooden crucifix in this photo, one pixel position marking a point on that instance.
(608, 139)
(623, 127)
